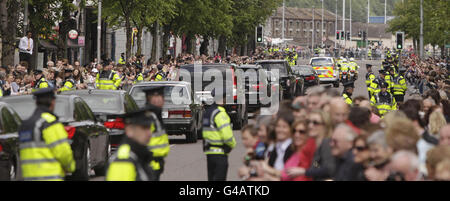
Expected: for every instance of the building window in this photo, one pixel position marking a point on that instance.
(298, 24)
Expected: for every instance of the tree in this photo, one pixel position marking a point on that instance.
(9, 21)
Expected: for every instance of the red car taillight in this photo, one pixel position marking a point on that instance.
(234, 84)
(310, 78)
(352, 71)
(180, 114)
(70, 131)
(344, 73)
(116, 123)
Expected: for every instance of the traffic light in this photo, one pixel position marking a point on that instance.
(342, 35)
(259, 34)
(348, 35)
(399, 40)
(337, 35)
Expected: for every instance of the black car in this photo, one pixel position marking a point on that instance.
(89, 139)
(9, 126)
(255, 86)
(181, 114)
(307, 73)
(109, 106)
(206, 75)
(290, 86)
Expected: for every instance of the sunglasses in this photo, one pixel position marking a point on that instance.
(360, 148)
(301, 131)
(316, 123)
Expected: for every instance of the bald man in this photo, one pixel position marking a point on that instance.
(339, 110)
(444, 135)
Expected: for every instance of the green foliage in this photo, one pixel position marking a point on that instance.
(436, 25)
(359, 7)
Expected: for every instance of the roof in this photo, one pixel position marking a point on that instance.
(304, 14)
(271, 61)
(248, 66)
(93, 91)
(162, 83)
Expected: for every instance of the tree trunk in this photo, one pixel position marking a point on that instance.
(222, 46)
(139, 40)
(189, 44)
(154, 41)
(129, 37)
(204, 46)
(9, 19)
(63, 31)
(165, 41)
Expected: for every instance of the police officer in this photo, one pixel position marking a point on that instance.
(160, 75)
(69, 82)
(398, 87)
(354, 66)
(107, 79)
(139, 77)
(41, 81)
(45, 152)
(122, 59)
(218, 139)
(130, 163)
(384, 100)
(159, 144)
(348, 91)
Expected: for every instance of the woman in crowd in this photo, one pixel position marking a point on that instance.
(303, 147)
(361, 157)
(320, 129)
(282, 148)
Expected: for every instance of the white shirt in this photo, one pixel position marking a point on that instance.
(281, 149)
(23, 45)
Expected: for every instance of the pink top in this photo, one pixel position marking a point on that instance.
(302, 158)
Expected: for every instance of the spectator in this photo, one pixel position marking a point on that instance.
(339, 111)
(404, 166)
(362, 157)
(359, 118)
(380, 154)
(282, 152)
(374, 119)
(444, 135)
(255, 148)
(341, 148)
(265, 133)
(401, 135)
(304, 147)
(320, 128)
(434, 157)
(443, 170)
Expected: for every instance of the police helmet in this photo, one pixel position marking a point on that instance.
(383, 85)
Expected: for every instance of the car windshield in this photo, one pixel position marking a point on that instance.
(322, 62)
(207, 77)
(107, 103)
(178, 94)
(303, 69)
(25, 108)
(279, 66)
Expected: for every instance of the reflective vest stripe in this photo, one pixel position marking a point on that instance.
(38, 161)
(43, 178)
(58, 142)
(158, 146)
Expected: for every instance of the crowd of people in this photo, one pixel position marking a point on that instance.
(321, 137)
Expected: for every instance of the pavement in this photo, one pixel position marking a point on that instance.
(186, 162)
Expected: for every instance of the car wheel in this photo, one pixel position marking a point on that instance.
(191, 137)
(101, 170)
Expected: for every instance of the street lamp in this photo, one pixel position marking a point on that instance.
(99, 29)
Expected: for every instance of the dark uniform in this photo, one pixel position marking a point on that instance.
(384, 101)
(69, 82)
(398, 87)
(218, 141)
(160, 75)
(44, 149)
(107, 80)
(41, 83)
(132, 158)
(159, 143)
(370, 77)
(346, 95)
